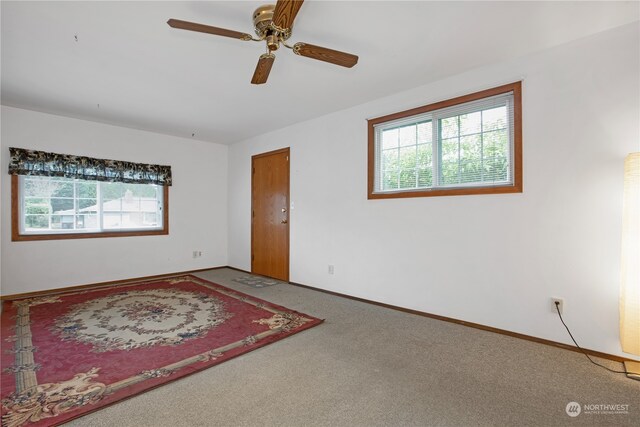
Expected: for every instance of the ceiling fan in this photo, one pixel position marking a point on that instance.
(273, 24)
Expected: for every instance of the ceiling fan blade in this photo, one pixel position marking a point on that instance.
(263, 68)
(201, 28)
(324, 54)
(285, 12)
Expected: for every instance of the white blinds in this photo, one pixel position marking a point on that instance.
(465, 145)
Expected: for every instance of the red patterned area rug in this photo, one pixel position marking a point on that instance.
(69, 354)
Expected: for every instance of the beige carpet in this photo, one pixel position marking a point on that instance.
(371, 366)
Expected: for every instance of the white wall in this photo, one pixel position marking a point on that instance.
(197, 206)
(491, 259)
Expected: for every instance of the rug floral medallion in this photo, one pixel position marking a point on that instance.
(69, 354)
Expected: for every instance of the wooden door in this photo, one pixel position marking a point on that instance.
(270, 214)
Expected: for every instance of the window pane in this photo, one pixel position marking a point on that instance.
(471, 148)
(471, 171)
(425, 177)
(86, 222)
(150, 219)
(470, 123)
(390, 180)
(408, 178)
(62, 206)
(31, 187)
(424, 155)
(112, 196)
(493, 143)
(87, 189)
(477, 155)
(390, 159)
(87, 205)
(389, 139)
(495, 170)
(37, 206)
(449, 150)
(408, 135)
(407, 169)
(502, 142)
(495, 118)
(111, 190)
(62, 189)
(125, 205)
(42, 186)
(112, 220)
(496, 156)
(141, 190)
(425, 134)
(407, 158)
(62, 222)
(450, 172)
(449, 127)
(36, 222)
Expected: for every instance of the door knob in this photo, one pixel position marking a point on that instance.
(284, 221)
(284, 210)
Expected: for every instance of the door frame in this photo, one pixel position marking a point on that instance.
(266, 154)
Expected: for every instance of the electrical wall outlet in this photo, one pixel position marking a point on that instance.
(330, 269)
(560, 302)
(197, 254)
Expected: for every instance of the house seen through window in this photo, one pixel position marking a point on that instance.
(51, 204)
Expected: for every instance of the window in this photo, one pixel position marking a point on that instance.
(54, 205)
(467, 145)
(57, 196)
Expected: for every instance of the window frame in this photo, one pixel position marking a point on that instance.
(515, 187)
(17, 236)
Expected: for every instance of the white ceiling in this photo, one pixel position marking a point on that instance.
(129, 68)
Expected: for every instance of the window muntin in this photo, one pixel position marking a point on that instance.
(467, 145)
(52, 205)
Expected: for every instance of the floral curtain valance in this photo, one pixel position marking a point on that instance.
(41, 163)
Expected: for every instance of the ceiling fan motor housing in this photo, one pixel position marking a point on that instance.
(262, 18)
(263, 24)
